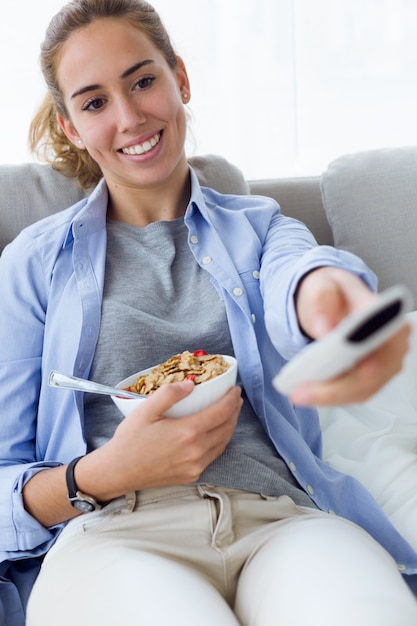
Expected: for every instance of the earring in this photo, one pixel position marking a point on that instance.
(184, 95)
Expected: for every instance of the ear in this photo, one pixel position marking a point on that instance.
(70, 132)
(182, 80)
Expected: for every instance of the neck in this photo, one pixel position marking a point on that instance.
(140, 206)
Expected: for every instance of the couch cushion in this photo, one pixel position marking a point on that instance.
(370, 200)
(376, 442)
(31, 191)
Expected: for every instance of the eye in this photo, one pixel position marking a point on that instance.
(94, 104)
(144, 82)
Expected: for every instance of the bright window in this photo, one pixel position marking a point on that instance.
(279, 87)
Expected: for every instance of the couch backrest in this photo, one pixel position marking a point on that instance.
(370, 199)
(299, 198)
(31, 191)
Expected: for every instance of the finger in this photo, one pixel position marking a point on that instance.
(361, 382)
(213, 426)
(202, 437)
(347, 389)
(230, 403)
(326, 296)
(389, 358)
(335, 300)
(328, 309)
(215, 440)
(163, 398)
(221, 411)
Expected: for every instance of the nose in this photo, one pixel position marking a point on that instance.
(128, 115)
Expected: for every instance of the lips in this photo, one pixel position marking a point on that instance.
(142, 148)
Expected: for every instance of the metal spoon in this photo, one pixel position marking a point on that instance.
(66, 381)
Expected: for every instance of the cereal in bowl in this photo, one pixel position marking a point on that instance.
(197, 366)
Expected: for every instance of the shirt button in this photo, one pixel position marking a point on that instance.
(194, 239)
(293, 467)
(237, 291)
(207, 260)
(253, 316)
(310, 490)
(331, 512)
(81, 268)
(401, 568)
(256, 275)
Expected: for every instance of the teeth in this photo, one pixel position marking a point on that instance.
(143, 147)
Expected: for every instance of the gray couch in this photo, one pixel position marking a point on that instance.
(364, 202)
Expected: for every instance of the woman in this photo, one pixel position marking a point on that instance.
(226, 516)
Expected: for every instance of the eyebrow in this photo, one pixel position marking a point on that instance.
(126, 74)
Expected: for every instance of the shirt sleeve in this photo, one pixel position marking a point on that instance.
(291, 252)
(22, 318)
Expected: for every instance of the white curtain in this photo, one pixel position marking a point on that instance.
(279, 87)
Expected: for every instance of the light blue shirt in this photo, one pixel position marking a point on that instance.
(52, 279)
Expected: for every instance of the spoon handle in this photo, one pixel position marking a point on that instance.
(66, 381)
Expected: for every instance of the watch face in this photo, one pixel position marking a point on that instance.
(83, 505)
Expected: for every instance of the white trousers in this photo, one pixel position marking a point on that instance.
(205, 556)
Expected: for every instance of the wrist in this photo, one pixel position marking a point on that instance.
(92, 477)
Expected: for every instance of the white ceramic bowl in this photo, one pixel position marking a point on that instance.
(201, 397)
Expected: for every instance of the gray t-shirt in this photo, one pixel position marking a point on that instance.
(157, 302)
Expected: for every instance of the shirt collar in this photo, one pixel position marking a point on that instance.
(197, 199)
(92, 215)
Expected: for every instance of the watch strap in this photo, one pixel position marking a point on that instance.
(71, 484)
(78, 500)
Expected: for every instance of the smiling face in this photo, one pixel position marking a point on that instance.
(124, 103)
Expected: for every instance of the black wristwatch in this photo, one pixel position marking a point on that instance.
(80, 501)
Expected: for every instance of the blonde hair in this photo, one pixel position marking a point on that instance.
(46, 137)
